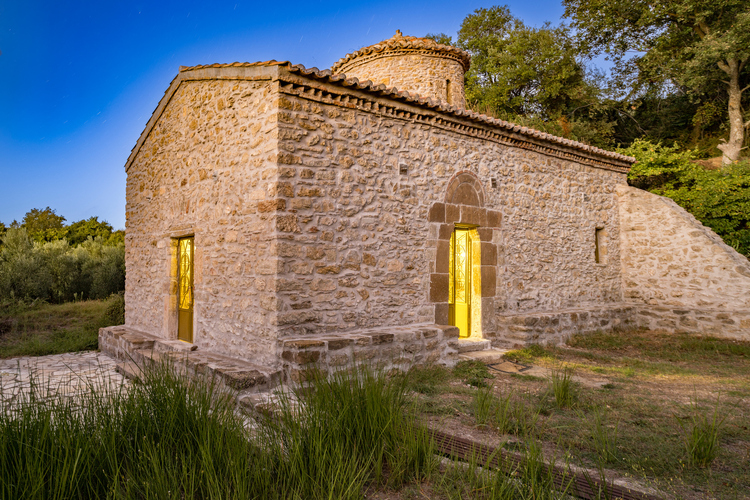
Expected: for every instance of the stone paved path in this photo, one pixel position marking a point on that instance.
(58, 375)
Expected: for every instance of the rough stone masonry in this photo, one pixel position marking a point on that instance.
(322, 205)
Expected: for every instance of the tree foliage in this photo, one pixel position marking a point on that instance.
(531, 76)
(56, 271)
(44, 225)
(40, 222)
(700, 47)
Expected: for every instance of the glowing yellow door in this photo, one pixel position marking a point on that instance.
(460, 281)
(185, 289)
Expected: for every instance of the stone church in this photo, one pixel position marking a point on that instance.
(280, 217)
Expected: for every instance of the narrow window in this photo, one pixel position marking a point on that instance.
(448, 96)
(600, 249)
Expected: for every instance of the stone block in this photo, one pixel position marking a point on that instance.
(465, 194)
(442, 259)
(303, 343)
(436, 213)
(382, 338)
(489, 281)
(336, 344)
(494, 219)
(446, 230)
(488, 254)
(472, 215)
(439, 287)
(452, 213)
(442, 313)
(485, 234)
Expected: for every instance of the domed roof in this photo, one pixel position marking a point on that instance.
(400, 42)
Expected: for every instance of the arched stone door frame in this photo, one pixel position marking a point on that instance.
(464, 206)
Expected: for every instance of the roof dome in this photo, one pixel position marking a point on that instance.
(398, 43)
(415, 65)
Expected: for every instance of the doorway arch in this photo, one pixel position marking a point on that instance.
(462, 214)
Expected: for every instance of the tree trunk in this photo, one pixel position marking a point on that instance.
(731, 148)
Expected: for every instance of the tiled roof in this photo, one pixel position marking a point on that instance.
(400, 42)
(394, 93)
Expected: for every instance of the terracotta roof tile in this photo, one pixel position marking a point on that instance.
(400, 42)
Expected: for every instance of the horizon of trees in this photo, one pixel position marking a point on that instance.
(45, 225)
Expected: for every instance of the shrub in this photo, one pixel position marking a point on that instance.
(115, 313)
(56, 272)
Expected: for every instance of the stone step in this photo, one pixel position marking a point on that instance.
(488, 357)
(129, 369)
(471, 345)
(236, 374)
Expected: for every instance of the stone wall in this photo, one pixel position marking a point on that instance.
(399, 348)
(682, 273)
(207, 168)
(360, 176)
(420, 73)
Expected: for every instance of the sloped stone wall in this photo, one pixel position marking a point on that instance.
(208, 169)
(681, 273)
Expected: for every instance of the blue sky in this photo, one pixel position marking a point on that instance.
(79, 80)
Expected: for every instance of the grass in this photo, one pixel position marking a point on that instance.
(629, 387)
(38, 328)
(171, 437)
(561, 382)
(347, 437)
(701, 435)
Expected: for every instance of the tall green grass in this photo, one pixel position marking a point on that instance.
(171, 437)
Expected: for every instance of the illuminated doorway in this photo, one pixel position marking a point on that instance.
(185, 253)
(464, 283)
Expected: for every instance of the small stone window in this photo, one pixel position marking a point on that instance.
(493, 183)
(448, 97)
(600, 245)
(403, 169)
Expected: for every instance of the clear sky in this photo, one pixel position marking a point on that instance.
(80, 79)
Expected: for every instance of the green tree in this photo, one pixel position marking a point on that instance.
(43, 225)
(3, 230)
(532, 76)
(80, 231)
(688, 45)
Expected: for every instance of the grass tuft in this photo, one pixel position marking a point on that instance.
(561, 381)
(528, 354)
(701, 435)
(472, 372)
(604, 437)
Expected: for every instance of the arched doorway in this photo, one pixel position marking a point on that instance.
(465, 281)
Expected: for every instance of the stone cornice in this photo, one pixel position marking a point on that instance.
(513, 136)
(337, 89)
(353, 63)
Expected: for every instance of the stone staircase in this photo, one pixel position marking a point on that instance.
(479, 350)
(137, 352)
